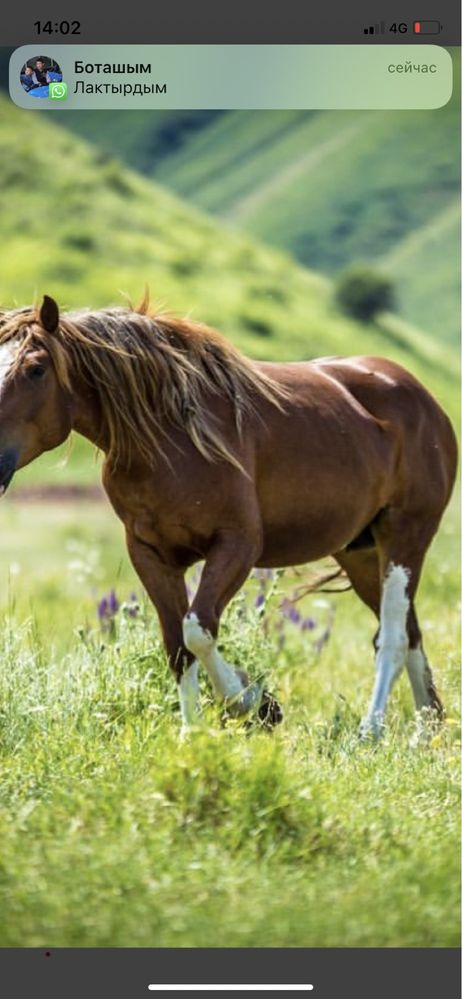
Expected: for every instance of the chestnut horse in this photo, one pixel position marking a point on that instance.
(211, 456)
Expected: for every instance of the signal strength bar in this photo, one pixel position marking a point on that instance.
(375, 29)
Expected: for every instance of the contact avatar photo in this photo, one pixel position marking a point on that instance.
(42, 77)
(229, 694)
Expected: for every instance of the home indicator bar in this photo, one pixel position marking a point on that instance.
(230, 988)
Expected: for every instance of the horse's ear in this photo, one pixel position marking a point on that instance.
(49, 314)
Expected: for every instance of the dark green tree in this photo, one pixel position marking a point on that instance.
(362, 292)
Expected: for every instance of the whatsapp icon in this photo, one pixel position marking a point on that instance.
(57, 91)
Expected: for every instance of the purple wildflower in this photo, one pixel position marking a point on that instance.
(308, 624)
(103, 609)
(289, 611)
(260, 600)
(107, 609)
(113, 603)
(132, 608)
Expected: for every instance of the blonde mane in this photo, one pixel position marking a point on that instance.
(150, 372)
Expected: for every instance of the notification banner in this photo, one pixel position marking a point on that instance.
(252, 77)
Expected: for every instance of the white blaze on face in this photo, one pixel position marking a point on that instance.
(7, 356)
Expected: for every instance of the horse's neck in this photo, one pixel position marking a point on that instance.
(86, 416)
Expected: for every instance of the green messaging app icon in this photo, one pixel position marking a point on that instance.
(57, 91)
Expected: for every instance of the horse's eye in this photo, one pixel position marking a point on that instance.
(36, 372)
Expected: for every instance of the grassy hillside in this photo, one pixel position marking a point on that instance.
(140, 138)
(330, 187)
(80, 226)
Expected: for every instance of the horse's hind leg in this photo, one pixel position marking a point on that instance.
(419, 672)
(402, 540)
(362, 566)
(226, 569)
(363, 570)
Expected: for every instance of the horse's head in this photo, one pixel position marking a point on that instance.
(35, 413)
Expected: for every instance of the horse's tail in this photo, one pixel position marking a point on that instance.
(319, 584)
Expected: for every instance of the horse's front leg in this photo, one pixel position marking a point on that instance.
(167, 590)
(227, 566)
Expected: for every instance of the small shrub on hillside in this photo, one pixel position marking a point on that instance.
(80, 241)
(362, 293)
(256, 324)
(186, 265)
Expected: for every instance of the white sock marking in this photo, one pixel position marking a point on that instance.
(226, 683)
(392, 644)
(189, 693)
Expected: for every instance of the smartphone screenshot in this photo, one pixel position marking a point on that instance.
(229, 504)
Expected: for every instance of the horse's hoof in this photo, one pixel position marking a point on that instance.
(371, 730)
(269, 712)
(436, 703)
(256, 705)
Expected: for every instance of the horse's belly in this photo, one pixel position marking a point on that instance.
(322, 478)
(311, 517)
(297, 544)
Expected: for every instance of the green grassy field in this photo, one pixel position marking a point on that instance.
(116, 834)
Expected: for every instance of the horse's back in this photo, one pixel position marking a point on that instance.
(393, 394)
(420, 433)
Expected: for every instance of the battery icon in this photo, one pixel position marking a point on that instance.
(427, 27)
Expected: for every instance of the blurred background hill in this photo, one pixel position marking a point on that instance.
(331, 188)
(240, 219)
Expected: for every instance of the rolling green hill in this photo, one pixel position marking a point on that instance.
(330, 187)
(80, 226)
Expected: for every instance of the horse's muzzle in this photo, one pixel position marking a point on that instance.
(8, 463)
